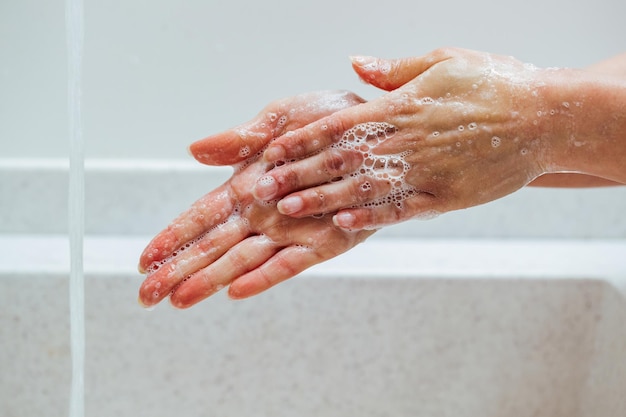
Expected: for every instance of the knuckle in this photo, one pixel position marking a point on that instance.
(287, 178)
(239, 260)
(316, 200)
(297, 144)
(335, 162)
(362, 189)
(351, 98)
(368, 188)
(334, 126)
(285, 264)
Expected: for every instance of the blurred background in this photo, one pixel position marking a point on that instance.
(160, 74)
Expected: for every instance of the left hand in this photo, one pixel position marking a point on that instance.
(229, 238)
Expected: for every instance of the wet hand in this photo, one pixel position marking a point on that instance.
(456, 129)
(228, 238)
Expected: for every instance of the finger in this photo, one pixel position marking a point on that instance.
(318, 169)
(237, 144)
(189, 259)
(239, 260)
(334, 196)
(210, 210)
(242, 142)
(346, 126)
(422, 205)
(390, 74)
(285, 264)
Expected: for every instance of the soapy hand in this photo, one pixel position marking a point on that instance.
(457, 129)
(229, 238)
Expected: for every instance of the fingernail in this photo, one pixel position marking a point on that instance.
(362, 60)
(144, 305)
(344, 220)
(368, 63)
(290, 205)
(274, 153)
(265, 188)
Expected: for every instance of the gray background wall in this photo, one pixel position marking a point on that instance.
(160, 74)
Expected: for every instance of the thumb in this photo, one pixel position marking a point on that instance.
(389, 74)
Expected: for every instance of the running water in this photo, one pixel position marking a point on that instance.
(76, 206)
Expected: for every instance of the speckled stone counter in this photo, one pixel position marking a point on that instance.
(345, 338)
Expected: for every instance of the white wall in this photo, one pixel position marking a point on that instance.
(160, 74)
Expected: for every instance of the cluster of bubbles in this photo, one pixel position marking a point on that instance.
(274, 124)
(364, 138)
(155, 266)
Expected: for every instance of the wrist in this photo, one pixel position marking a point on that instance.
(583, 123)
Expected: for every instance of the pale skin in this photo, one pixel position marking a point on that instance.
(472, 127)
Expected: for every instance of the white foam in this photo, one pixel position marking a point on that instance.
(244, 151)
(364, 138)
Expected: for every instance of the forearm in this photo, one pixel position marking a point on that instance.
(585, 115)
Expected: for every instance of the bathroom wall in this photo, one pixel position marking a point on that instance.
(159, 74)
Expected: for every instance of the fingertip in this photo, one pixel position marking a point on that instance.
(226, 148)
(205, 151)
(146, 259)
(190, 151)
(290, 205)
(344, 220)
(387, 74)
(141, 303)
(274, 153)
(178, 303)
(144, 303)
(265, 188)
(244, 287)
(235, 293)
(188, 293)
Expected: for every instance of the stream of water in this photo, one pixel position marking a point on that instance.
(76, 205)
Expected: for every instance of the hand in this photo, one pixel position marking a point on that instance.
(229, 238)
(457, 129)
